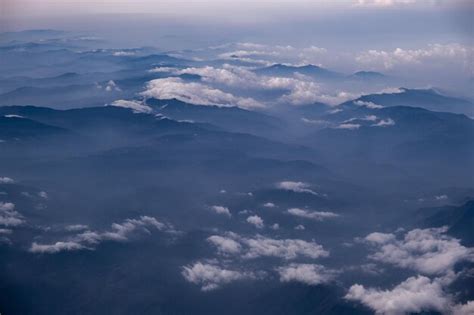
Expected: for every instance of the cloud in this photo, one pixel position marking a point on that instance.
(137, 107)
(256, 221)
(310, 274)
(299, 187)
(195, 93)
(119, 232)
(112, 86)
(299, 227)
(436, 53)
(269, 205)
(221, 210)
(56, 247)
(123, 53)
(225, 245)
(76, 227)
(210, 276)
(313, 215)
(414, 295)
(368, 104)
(299, 89)
(6, 180)
(8, 215)
(348, 126)
(428, 251)
(260, 246)
(383, 3)
(384, 123)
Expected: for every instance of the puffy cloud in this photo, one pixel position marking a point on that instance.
(269, 205)
(8, 215)
(275, 226)
(414, 295)
(225, 245)
(195, 93)
(210, 276)
(261, 246)
(299, 227)
(300, 89)
(299, 187)
(137, 107)
(119, 232)
(221, 210)
(428, 251)
(313, 215)
(112, 86)
(256, 221)
(464, 309)
(311, 274)
(6, 180)
(441, 197)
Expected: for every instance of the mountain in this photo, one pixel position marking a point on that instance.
(426, 98)
(458, 219)
(228, 118)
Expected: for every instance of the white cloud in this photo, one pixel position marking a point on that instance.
(299, 187)
(112, 86)
(269, 205)
(348, 126)
(6, 180)
(195, 93)
(261, 246)
(464, 309)
(384, 123)
(8, 215)
(137, 107)
(299, 227)
(311, 274)
(414, 295)
(428, 251)
(275, 226)
(381, 59)
(313, 215)
(256, 221)
(221, 210)
(225, 245)
(441, 197)
(210, 276)
(123, 53)
(368, 104)
(119, 232)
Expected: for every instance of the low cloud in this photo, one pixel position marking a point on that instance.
(299, 187)
(428, 251)
(195, 93)
(119, 232)
(210, 276)
(8, 215)
(6, 180)
(221, 210)
(313, 215)
(414, 295)
(137, 107)
(260, 246)
(256, 221)
(310, 274)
